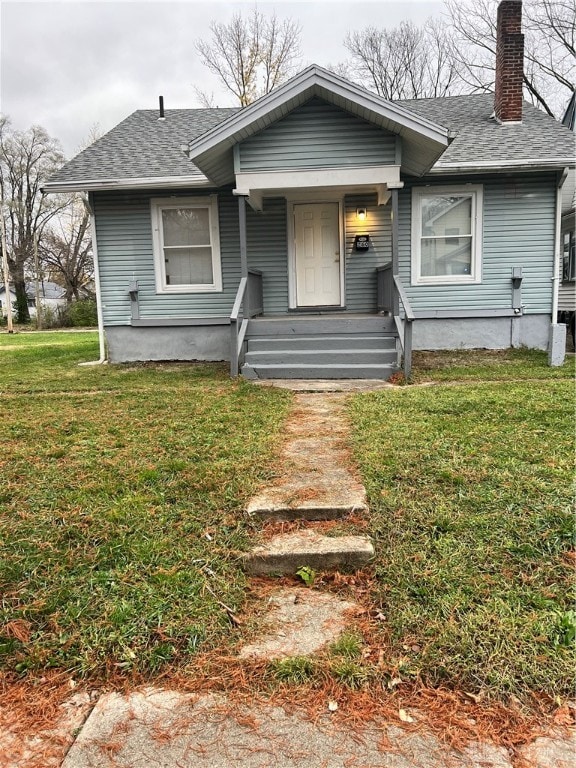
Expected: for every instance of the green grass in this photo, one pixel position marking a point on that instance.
(471, 512)
(121, 505)
(490, 365)
(121, 522)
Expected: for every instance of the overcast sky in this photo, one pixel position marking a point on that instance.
(69, 66)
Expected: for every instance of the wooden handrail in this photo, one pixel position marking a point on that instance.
(404, 326)
(239, 299)
(243, 308)
(410, 316)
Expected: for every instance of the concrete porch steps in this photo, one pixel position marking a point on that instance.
(321, 356)
(335, 346)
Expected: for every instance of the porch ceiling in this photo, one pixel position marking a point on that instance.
(337, 181)
(423, 141)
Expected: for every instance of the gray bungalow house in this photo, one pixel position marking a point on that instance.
(325, 232)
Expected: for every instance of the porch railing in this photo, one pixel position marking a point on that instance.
(385, 288)
(249, 302)
(403, 324)
(391, 297)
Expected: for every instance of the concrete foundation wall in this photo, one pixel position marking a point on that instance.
(482, 333)
(192, 342)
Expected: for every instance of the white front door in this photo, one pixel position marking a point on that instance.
(317, 254)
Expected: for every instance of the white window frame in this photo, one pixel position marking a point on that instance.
(159, 204)
(475, 192)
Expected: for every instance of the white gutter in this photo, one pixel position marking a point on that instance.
(153, 182)
(557, 247)
(102, 359)
(530, 164)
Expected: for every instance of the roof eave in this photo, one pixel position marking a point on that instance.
(536, 164)
(153, 182)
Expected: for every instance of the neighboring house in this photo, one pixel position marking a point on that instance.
(567, 291)
(323, 231)
(52, 296)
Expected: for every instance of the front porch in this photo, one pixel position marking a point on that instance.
(321, 343)
(317, 339)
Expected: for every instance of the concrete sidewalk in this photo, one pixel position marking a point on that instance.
(166, 729)
(159, 728)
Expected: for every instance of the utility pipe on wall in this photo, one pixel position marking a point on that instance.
(102, 358)
(557, 246)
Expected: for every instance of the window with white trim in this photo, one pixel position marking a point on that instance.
(186, 244)
(446, 235)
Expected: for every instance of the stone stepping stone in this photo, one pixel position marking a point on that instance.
(326, 501)
(288, 552)
(299, 622)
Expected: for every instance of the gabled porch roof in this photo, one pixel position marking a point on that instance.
(423, 141)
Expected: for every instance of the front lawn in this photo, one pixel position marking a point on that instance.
(121, 518)
(471, 512)
(120, 505)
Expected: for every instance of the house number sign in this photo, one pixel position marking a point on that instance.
(361, 242)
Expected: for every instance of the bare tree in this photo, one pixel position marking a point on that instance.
(27, 159)
(66, 249)
(404, 62)
(549, 28)
(251, 56)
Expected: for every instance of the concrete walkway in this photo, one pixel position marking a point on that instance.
(317, 482)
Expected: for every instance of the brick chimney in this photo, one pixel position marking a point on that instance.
(509, 62)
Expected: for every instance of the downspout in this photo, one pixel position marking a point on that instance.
(102, 359)
(557, 247)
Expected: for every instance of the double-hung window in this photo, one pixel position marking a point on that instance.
(186, 244)
(446, 235)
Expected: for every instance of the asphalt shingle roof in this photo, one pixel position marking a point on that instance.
(480, 138)
(142, 146)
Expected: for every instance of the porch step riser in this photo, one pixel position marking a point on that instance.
(314, 371)
(316, 325)
(315, 357)
(322, 343)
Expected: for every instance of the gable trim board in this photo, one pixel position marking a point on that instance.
(424, 140)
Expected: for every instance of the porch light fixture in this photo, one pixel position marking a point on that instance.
(361, 214)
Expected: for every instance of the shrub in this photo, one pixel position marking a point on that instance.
(82, 313)
(53, 317)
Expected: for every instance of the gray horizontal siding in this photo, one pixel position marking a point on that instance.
(518, 231)
(125, 253)
(317, 135)
(360, 277)
(267, 251)
(567, 297)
